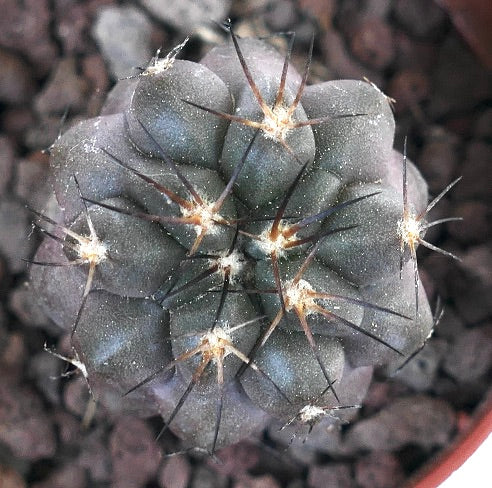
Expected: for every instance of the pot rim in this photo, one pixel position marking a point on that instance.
(453, 457)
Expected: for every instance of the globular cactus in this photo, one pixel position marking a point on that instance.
(231, 244)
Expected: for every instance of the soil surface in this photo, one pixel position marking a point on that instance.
(59, 58)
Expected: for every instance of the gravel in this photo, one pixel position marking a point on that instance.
(61, 54)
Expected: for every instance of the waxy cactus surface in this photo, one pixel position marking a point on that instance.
(228, 245)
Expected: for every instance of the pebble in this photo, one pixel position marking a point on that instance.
(265, 481)
(203, 477)
(379, 469)
(321, 10)
(459, 82)
(381, 393)
(471, 281)
(420, 17)
(65, 89)
(69, 475)
(25, 426)
(421, 372)
(15, 244)
(188, 15)
(41, 135)
(13, 353)
(123, 36)
(483, 125)
(334, 474)
(236, 459)
(438, 160)
(15, 121)
(94, 70)
(24, 305)
(95, 457)
(413, 54)
(175, 472)
(420, 420)
(470, 357)
(25, 28)
(31, 180)
(372, 43)
(281, 15)
(76, 395)
(6, 163)
(340, 61)
(45, 369)
(11, 478)
(476, 164)
(71, 23)
(16, 82)
(409, 88)
(134, 452)
(68, 428)
(476, 226)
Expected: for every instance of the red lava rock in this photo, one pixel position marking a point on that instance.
(65, 88)
(420, 420)
(6, 163)
(45, 370)
(15, 121)
(338, 59)
(438, 159)
(94, 70)
(72, 23)
(421, 372)
(68, 427)
(25, 27)
(428, 284)
(321, 10)
(204, 478)
(76, 396)
(381, 394)
(483, 125)
(41, 135)
(25, 427)
(280, 15)
(476, 226)
(69, 475)
(95, 457)
(372, 42)
(265, 481)
(335, 474)
(470, 357)
(414, 54)
(10, 478)
(420, 17)
(379, 469)
(236, 459)
(31, 180)
(16, 83)
(123, 36)
(13, 354)
(471, 281)
(175, 472)
(474, 186)
(473, 19)
(24, 304)
(459, 82)
(408, 88)
(134, 452)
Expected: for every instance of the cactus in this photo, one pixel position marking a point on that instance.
(230, 244)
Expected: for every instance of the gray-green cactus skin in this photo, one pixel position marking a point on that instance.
(156, 293)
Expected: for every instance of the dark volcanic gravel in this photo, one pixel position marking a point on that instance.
(64, 55)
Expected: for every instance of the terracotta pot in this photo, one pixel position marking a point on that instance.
(453, 457)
